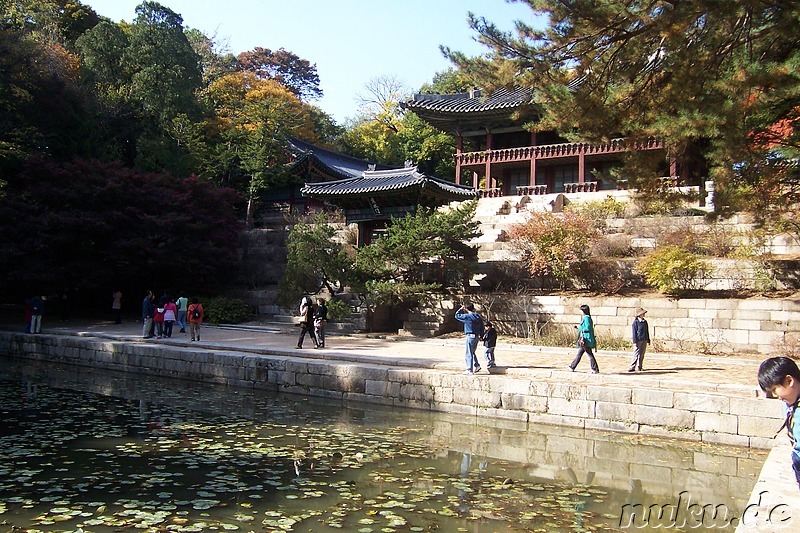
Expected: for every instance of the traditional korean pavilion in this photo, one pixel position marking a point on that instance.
(493, 148)
(374, 197)
(312, 163)
(320, 164)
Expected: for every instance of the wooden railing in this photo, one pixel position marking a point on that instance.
(539, 190)
(550, 151)
(586, 186)
(665, 183)
(531, 190)
(490, 193)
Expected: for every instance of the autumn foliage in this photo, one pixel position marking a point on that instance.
(553, 244)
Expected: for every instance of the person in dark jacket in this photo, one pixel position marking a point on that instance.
(320, 321)
(148, 309)
(641, 338)
(489, 342)
(37, 310)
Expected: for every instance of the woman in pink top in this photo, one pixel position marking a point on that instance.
(170, 316)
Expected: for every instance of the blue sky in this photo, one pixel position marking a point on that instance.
(350, 41)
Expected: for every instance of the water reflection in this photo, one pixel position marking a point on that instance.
(101, 451)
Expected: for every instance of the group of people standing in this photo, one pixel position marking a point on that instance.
(313, 320)
(159, 316)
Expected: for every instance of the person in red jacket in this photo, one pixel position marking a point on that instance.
(195, 314)
(158, 320)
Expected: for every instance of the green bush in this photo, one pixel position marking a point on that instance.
(338, 309)
(223, 310)
(671, 269)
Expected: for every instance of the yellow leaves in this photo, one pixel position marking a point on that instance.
(245, 102)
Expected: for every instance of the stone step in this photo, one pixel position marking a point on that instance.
(425, 333)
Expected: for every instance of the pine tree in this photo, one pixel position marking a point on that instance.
(716, 79)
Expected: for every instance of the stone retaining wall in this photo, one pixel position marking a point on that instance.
(753, 325)
(721, 415)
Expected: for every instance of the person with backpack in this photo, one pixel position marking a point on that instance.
(473, 330)
(196, 313)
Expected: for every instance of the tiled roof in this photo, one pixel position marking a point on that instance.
(471, 102)
(334, 162)
(384, 181)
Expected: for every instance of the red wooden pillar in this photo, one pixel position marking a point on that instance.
(581, 166)
(488, 160)
(532, 180)
(459, 149)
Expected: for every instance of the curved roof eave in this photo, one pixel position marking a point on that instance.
(388, 181)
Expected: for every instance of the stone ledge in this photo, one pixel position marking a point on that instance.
(774, 503)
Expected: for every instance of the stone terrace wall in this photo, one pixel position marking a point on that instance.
(716, 414)
(688, 325)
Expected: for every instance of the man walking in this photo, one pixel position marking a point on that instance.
(473, 330)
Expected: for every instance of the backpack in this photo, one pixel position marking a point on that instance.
(196, 312)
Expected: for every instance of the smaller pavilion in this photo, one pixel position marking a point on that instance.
(374, 197)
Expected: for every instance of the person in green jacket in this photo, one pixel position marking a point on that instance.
(586, 341)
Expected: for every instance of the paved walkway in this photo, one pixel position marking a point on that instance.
(734, 375)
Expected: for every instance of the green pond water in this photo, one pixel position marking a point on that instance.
(91, 451)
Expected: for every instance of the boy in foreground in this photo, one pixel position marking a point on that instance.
(780, 377)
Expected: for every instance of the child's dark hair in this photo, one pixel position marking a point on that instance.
(774, 370)
(585, 309)
(489, 325)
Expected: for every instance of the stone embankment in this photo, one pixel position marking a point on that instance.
(695, 398)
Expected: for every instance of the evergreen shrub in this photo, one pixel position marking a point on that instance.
(222, 310)
(338, 310)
